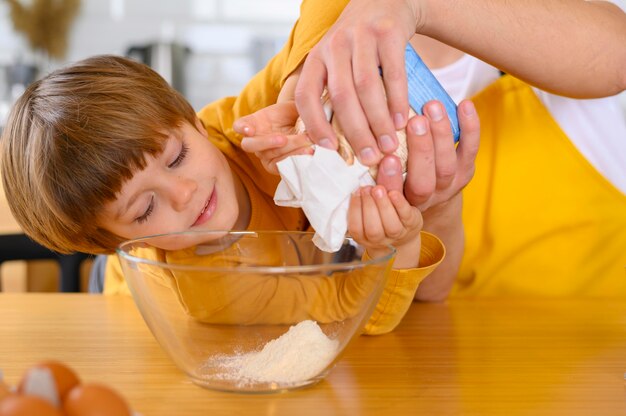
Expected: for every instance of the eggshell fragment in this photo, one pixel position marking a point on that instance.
(27, 405)
(94, 400)
(64, 377)
(40, 382)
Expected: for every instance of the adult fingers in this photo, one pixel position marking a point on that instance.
(371, 95)
(469, 142)
(307, 97)
(445, 153)
(421, 177)
(391, 53)
(353, 121)
(348, 112)
(390, 173)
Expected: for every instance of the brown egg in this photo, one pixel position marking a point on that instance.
(94, 400)
(4, 390)
(64, 377)
(27, 405)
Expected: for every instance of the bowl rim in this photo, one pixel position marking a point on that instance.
(261, 269)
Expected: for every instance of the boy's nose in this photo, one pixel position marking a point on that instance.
(181, 191)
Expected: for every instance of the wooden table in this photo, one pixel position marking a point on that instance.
(483, 357)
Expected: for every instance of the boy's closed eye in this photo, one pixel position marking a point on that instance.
(180, 157)
(144, 217)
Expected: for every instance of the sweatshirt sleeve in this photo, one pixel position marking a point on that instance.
(401, 286)
(287, 299)
(114, 282)
(264, 299)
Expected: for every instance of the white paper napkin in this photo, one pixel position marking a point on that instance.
(321, 184)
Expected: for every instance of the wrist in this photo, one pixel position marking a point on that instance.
(451, 205)
(445, 215)
(407, 253)
(419, 8)
(430, 14)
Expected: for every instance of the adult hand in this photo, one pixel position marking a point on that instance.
(368, 35)
(436, 169)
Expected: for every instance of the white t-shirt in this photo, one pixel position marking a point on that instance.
(597, 127)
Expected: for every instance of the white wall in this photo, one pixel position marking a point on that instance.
(224, 36)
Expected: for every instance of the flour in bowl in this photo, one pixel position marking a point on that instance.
(298, 355)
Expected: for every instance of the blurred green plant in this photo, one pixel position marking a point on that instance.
(45, 23)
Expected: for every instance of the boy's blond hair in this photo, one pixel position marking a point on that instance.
(73, 139)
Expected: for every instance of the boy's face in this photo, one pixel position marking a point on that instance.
(189, 186)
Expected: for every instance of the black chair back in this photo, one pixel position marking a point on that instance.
(20, 247)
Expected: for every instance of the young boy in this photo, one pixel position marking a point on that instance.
(104, 150)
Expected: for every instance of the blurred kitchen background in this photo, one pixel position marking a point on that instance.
(206, 48)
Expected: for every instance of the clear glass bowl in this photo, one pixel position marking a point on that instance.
(252, 311)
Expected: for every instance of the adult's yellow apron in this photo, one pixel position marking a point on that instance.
(540, 220)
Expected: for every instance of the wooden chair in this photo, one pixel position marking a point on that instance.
(20, 247)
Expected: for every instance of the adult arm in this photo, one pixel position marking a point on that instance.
(572, 48)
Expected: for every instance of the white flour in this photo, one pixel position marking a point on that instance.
(298, 355)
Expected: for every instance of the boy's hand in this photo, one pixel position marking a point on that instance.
(270, 135)
(378, 218)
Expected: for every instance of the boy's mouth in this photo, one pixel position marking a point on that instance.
(207, 210)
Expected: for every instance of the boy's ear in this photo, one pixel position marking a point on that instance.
(200, 127)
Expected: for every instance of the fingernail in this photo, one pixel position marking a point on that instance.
(390, 166)
(419, 126)
(387, 144)
(468, 108)
(378, 193)
(326, 143)
(368, 155)
(398, 120)
(435, 112)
